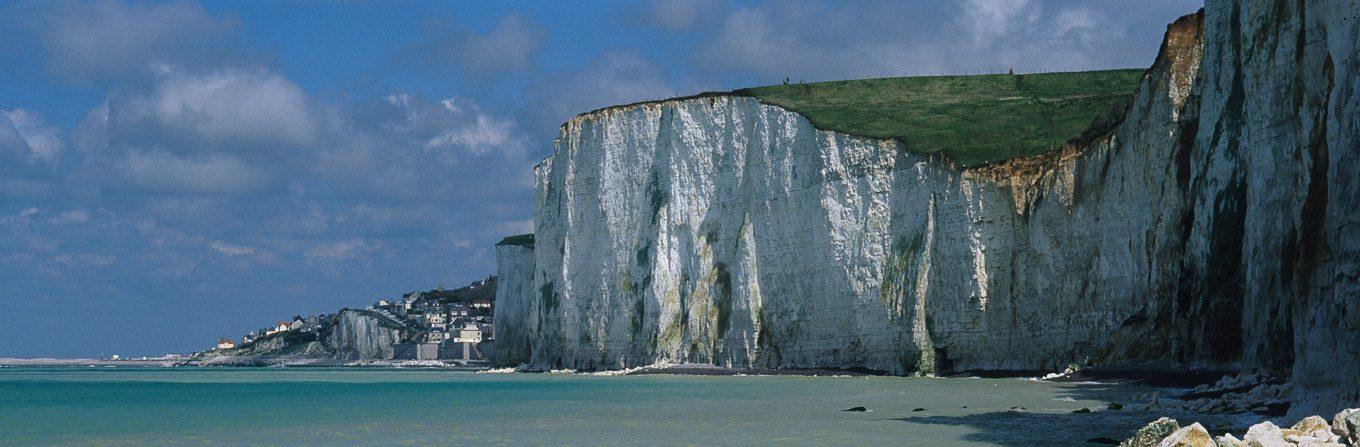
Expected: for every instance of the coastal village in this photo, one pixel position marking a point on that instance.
(435, 325)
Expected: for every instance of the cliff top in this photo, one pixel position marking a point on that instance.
(523, 240)
(973, 120)
(480, 290)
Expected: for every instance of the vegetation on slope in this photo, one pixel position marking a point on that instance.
(480, 290)
(973, 120)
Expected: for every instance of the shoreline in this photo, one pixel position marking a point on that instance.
(239, 362)
(1150, 377)
(1177, 393)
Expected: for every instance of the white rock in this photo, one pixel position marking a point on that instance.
(1193, 435)
(1346, 425)
(1314, 427)
(1228, 440)
(1265, 434)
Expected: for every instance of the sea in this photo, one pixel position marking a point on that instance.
(141, 406)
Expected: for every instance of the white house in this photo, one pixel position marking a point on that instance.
(282, 326)
(469, 334)
(225, 343)
(436, 321)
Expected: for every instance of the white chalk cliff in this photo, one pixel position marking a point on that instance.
(1218, 225)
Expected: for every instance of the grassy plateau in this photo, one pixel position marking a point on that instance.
(523, 240)
(972, 120)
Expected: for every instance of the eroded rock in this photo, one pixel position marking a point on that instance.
(1153, 433)
(1193, 435)
(1228, 440)
(1346, 425)
(1266, 434)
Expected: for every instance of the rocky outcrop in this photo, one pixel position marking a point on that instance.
(1312, 431)
(1215, 226)
(361, 335)
(1193, 435)
(1153, 433)
(515, 270)
(1247, 392)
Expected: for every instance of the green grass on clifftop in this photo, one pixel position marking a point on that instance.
(973, 120)
(523, 240)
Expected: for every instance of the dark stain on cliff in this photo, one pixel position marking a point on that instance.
(1224, 279)
(1217, 335)
(1221, 310)
(722, 297)
(548, 296)
(943, 364)
(644, 254)
(636, 323)
(656, 195)
(1185, 141)
(1313, 216)
(765, 340)
(684, 301)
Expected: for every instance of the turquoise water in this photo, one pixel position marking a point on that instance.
(206, 406)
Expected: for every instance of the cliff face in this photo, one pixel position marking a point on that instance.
(724, 231)
(1214, 226)
(359, 336)
(515, 273)
(1273, 234)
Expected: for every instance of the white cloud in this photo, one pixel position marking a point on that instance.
(751, 34)
(484, 133)
(610, 79)
(822, 40)
(1083, 24)
(73, 216)
(231, 108)
(510, 46)
(516, 227)
(338, 250)
(451, 123)
(100, 39)
(160, 171)
(87, 259)
(41, 141)
(21, 217)
(678, 15)
(989, 19)
(231, 249)
(813, 41)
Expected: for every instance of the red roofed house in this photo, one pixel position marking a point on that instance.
(282, 326)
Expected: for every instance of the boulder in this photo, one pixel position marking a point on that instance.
(1193, 435)
(1152, 434)
(1346, 425)
(1311, 424)
(1266, 434)
(1308, 442)
(1228, 440)
(1312, 429)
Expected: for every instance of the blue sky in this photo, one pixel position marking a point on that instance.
(173, 172)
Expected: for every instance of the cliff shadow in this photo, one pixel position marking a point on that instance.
(1049, 426)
